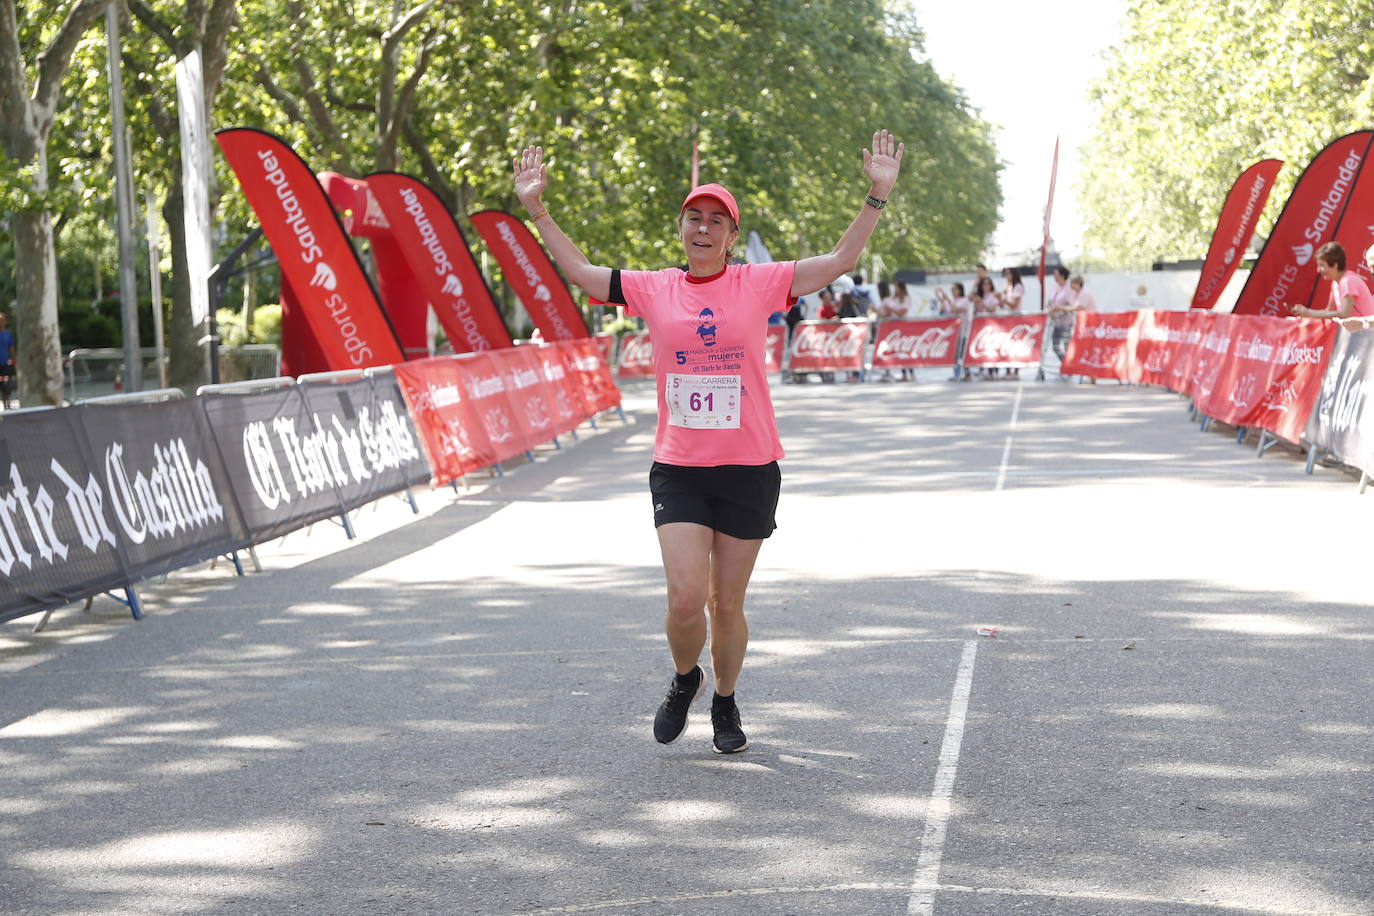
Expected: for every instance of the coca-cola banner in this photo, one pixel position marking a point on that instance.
(775, 348)
(440, 259)
(1010, 341)
(636, 359)
(100, 497)
(1235, 227)
(531, 274)
(316, 258)
(1342, 422)
(828, 346)
(1103, 346)
(916, 344)
(1286, 270)
(1270, 372)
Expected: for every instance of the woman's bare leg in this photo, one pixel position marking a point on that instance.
(732, 563)
(686, 549)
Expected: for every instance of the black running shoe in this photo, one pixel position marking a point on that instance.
(729, 736)
(671, 719)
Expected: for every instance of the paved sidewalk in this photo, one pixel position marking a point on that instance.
(452, 715)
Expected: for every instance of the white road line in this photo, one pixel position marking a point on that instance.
(927, 879)
(1011, 434)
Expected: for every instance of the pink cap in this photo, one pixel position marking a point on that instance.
(715, 192)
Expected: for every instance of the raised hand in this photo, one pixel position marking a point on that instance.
(882, 164)
(530, 176)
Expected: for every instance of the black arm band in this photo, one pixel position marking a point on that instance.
(616, 295)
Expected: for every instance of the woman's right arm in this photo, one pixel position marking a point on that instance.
(530, 181)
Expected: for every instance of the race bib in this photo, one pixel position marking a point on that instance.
(703, 401)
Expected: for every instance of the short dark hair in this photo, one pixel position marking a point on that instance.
(958, 288)
(1332, 253)
(1062, 271)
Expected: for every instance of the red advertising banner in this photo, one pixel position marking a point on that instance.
(402, 297)
(594, 374)
(501, 406)
(1103, 346)
(439, 258)
(1286, 271)
(826, 346)
(636, 356)
(445, 418)
(1208, 356)
(1354, 232)
(1013, 341)
(569, 408)
(1162, 341)
(1270, 374)
(1235, 227)
(607, 344)
(916, 344)
(775, 347)
(531, 274)
(316, 258)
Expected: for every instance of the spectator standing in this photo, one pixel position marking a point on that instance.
(895, 306)
(1061, 310)
(6, 361)
(1011, 297)
(1360, 323)
(1350, 295)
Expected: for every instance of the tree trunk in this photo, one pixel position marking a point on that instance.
(187, 364)
(39, 360)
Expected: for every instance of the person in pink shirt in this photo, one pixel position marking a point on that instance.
(1357, 323)
(1350, 295)
(715, 481)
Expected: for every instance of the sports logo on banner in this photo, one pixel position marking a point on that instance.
(1286, 270)
(440, 259)
(316, 258)
(1235, 227)
(1269, 374)
(1103, 346)
(1012, 341)
(916, 344)
(531, 274)
(825, 346)
(636, 356)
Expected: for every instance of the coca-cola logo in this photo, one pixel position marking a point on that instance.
(996, 342)
(834, 341)
(636, 350)
(931, 343)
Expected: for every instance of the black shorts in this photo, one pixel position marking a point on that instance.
(735, 499)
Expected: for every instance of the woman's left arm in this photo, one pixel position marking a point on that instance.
(881, 165)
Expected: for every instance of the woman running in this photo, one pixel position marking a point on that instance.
(714, 482)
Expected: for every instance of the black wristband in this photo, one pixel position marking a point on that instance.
(874, 202)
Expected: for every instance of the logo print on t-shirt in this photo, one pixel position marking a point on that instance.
(707, 325)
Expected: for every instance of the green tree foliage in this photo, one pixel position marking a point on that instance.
(1195, 91)
(780, 96)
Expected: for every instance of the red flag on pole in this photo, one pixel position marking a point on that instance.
(1235, 226)
(1045, 235)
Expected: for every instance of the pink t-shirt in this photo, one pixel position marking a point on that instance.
(709, 338)
(1352, 284)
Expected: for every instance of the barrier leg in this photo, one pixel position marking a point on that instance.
(47, 615)
(253, 555)
(1206, 422)
(574, 434)
(1264, 443)
(592, 420)
(238, 567)
(529, 456)
(621, 410)
(1240, 433)
(557, 446)
(1364, 481)
(347, 526)
(410, 498)
(1312, 453)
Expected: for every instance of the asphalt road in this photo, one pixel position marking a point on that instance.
(452, 715)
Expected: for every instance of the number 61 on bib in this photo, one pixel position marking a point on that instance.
(703, 401)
